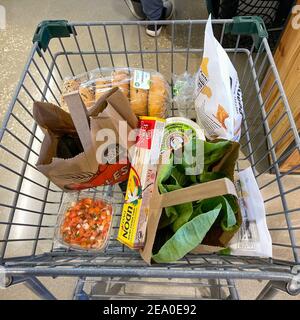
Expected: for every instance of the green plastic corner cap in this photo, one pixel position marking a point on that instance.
(248, 25)
(49, 29)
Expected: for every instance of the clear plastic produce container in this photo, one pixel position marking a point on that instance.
(84, 221)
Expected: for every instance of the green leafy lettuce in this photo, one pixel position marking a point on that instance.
(183, 227)
(187, 237)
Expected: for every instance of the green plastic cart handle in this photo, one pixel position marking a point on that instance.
(248, 25)
(48, 29)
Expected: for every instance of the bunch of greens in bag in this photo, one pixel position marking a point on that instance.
(211, 221)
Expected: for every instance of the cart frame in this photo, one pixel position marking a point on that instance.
(41, 80)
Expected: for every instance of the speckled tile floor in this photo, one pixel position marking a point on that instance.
(15, 44)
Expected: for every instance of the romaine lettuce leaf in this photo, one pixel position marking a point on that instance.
(228, 219)
(184, 211)
(210, 176)
(168, 216)
(187, 237)
(164, 174)
(214, 151)
(179, 177)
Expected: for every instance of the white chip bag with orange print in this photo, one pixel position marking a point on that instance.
(218, 103)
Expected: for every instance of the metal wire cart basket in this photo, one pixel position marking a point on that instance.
(29, 202)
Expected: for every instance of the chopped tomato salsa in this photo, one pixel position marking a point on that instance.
(87, 223)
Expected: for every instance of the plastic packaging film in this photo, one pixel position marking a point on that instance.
(147, 90)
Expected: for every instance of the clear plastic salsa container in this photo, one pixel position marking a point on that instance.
(85, 221)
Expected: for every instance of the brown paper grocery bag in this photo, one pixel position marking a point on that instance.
(55, 122)
(106, 113)
(111, 112)
(197, 192)
(83, 170)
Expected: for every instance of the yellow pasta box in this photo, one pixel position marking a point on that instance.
(132, 230)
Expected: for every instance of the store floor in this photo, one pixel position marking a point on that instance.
(22, 18)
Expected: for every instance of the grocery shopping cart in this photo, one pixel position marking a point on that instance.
(29, 201)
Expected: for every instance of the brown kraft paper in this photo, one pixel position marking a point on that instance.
(82, 171)
(197, 192)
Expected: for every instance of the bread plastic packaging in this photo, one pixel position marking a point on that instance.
(138, 100)
(148, 92)
(120, 79)
(157, 96)
(101, 87)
